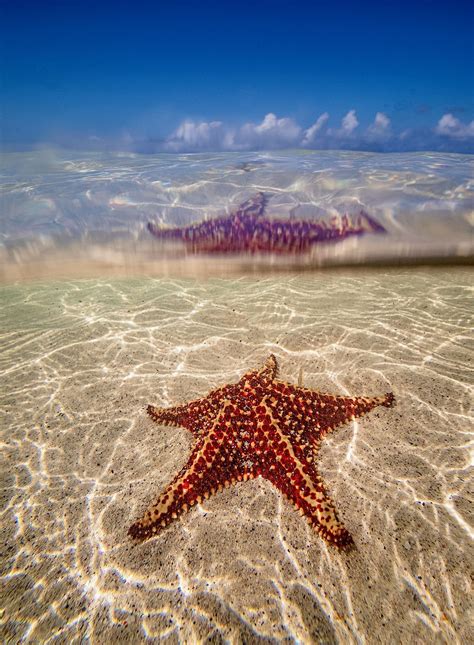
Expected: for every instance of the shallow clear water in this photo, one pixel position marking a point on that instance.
(81, 460)
(76, 213)
(81, 358)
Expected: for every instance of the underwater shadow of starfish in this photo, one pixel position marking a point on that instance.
(246, 230)
(258, 427)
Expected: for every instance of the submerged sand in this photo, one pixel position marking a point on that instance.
(81, 461)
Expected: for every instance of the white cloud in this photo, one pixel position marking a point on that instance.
(381, 122)
(311, 132)
(272, 132)
(349, 123)
(275, 132)
(450, 126)
(200, 136)
(380, 128)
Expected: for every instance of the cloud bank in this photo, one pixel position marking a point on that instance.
(450, 126)
(449, 134)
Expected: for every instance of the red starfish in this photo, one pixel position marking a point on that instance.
(259, 427)
(246, 230)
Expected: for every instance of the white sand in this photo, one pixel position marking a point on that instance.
(81, 359)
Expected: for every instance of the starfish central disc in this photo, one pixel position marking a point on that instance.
(258, 427)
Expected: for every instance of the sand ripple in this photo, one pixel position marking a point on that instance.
(80, 360)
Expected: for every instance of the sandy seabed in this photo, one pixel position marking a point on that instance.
(81, 460)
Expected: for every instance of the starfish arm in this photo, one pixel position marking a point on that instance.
(174, 416)
(329, 412)
(269, 371)
(265, 374)
(195, 416)
(312, 414)
(312, 502)
(258, 379)
(175, 499)
(343, 226)
(289, 465)
(194, 234)
(213, 465)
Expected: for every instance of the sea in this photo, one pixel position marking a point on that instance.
(98, 320)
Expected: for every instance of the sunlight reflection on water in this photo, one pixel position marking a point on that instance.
(59, 208)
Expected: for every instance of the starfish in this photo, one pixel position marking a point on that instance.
(258, 427)
(247, 230)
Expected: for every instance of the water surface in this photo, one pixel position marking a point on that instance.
(98, 320)
(82, 214)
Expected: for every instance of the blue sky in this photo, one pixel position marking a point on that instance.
(238, 75)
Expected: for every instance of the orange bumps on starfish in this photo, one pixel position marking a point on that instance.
(258, 427)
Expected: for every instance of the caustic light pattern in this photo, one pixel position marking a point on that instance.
(258, 427)
(245, 230)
